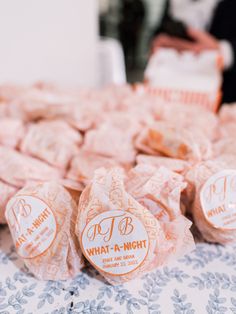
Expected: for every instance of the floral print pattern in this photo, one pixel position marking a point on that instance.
(203, 281)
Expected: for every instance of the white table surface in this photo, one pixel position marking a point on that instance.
(201, 282)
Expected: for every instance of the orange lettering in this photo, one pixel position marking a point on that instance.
(104, 227)
(218, 188)
(216, 211)
(19, 209)
(125, 227)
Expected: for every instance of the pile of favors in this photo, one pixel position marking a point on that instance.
(109, 175)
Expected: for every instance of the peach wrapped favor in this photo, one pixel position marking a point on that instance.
(214, 206)
(119, 236)
(176, 165)
(173, 141)
(225, 146)
(42, 140)
(159, 190)
(107, 140)
(18, 169)
(11, 131)
(84, 164)
(41, 218)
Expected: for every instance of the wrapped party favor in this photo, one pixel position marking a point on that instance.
(41, 218)
(188, 117)
(42, 141)
(118, 235)
(159, 190)
(107, 140)
(84, 164)
(214, 205)
(11, 131)
(173, 141)
(176, 165)
(225, 146)
(17, 169)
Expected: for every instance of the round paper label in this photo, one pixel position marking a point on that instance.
(32, 223)
(218, 199)
(115, 242)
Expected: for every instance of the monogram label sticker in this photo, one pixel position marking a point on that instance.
(218, 199)
(116, 242)
(32, 224)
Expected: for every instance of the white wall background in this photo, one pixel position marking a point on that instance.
(52, 40)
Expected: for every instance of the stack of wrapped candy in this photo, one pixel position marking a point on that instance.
(109, 176)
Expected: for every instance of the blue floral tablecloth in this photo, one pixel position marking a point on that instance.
(201, 282)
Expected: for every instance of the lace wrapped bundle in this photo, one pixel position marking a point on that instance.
(170, 140)
(214, 197)
(119, 234)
